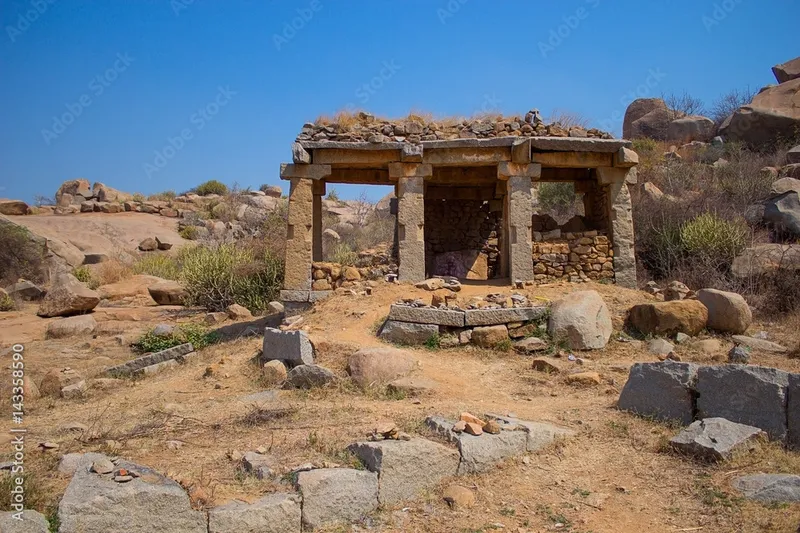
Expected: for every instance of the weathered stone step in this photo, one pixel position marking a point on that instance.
(131, 367)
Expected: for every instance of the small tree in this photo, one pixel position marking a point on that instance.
(728, 103)
(683, 104)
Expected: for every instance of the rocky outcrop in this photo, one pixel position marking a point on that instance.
(727, 311)
(68, 296)
(769, 488)
(273, 513)
(787, 71)
(13, 207)
(638, 109)
(691, 128)
(582, 319)
(167, 293)
(766, 259)
(378, 366)
(772, 115)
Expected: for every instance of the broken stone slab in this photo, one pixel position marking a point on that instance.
(713, 439)
(71, 462)
(407, 333)
(406, 468)
(480, 453)
(663, 391)
(274, 513)
(336, 495)
(491, 317)
(258, 464)
(759, 345)
(30, 522)
(442, 428)
(157, 368)
(769, 488)
(292, 348)
(427, 315)
(752, 395)
(793, 411)
(176, 352)
(94, 503)
(539, 434)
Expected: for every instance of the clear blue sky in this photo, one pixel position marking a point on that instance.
(97, 89)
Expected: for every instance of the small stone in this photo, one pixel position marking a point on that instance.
(48, 446)
(681, 337)
(474, 429)
(215, 318)
(123, 479)
(174, 445)
(458, 497)
(102, 466)
(491, 427)
(738, 355)
(238, 312)
(584, 378)
(469, 417)
(460, 426)
(660, 347)
(275, 308)
(274, 372)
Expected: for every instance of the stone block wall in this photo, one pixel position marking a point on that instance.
(574, 257)
(462, 238)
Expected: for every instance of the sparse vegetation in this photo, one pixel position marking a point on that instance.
(164, 196)
(6, 303)
(726, 104)
(211, 187)
(196, 334)
(333, 196)
(21, 256)
(344, 255)
(683, 104)
(188, 232)
(84, 274)
(159, 265)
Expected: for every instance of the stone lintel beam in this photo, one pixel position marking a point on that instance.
(626, 158)
(411, 153)
(573, 159)
(312, 172)
(300, 154)
(464, 157)
(521, 151)
(507, 170)
(609, 175)
(409, 170)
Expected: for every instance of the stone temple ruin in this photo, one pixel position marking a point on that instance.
(465, 198)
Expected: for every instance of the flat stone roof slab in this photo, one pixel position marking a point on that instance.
(560, 144)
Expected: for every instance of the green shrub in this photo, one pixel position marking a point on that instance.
(216, 277)
(332, 195)
(159, 265)
(85, 275)
(138, 197)
(6, 303)
(344, 255)
(20, 255)
(434, 342)
(556, 196)
(164, 196)
(198, 335)
(211, 187)
(188, 232)
(711, 236)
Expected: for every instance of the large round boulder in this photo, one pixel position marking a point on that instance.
(167, 293)
(71, 326)
(582, 319)
(772, 115)
(68, 296)
(668, 318)
(13, 207)
(691, 128)
(378, 366)
(638, 109)
(783, 212)
(787, 71)
(727, 311)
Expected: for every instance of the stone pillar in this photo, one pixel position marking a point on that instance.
(620, 216)
(318, 189)
(410, 218)
(518, 212)
(300, 228)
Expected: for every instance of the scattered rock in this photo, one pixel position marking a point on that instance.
(727, 311)
(581, 318)
(738, 356)
(750, 395)
(676, 290)
(472, 428)
(25, 290)
(458, 497)
(217, 317)
(71, 462)
(258, 464)
(67, 296)
(164, 242)
(481, 453)
(659, 346)
(377, 366)
(584, 378)
(412, 386)
(71, 326)
(273, 513)
(769, 488)
(759, 345)
(663, 391)
(489, 336)
(336, 495)
(275, 308)
(531, 345)
(668, 318)
(274, 372)
(148, 245)
(549, 365)
(56, 379)
(167, 293)
(713, 439)
(238, 312)
(709, 346)
(406, 468)
(309, 377)
(163, 330)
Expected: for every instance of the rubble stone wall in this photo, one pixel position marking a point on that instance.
(461, 238)
(574, 257)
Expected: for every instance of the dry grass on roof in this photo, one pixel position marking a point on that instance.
(346, 119)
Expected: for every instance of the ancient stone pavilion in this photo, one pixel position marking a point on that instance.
(465, 198)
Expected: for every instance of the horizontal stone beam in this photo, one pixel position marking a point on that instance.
(572, 159)
(427, 315)
(578, 144)
(506, 170)
(489, 155)
(410, 170)
(345, 157)
(314, 172)
(126, 369)
(571, 144)
(492, 317)
(368, 176)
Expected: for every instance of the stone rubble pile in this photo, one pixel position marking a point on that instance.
(365, 127)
